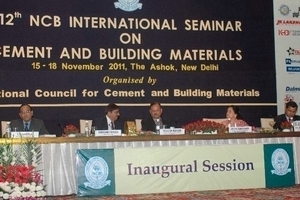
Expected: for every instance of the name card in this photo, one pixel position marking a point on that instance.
(25, 134)
(240, 129)
(172, 131)
(108, 133)
(296, 126)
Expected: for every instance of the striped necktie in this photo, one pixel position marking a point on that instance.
(112, 125)
(26, 127)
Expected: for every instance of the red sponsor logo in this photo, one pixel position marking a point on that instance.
(284, 32)
(288, 22)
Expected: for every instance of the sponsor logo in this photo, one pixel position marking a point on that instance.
(288, 22)
(296, 14)
(292, 69)
(292, 51)
(285, 32)
(292, 89)
(290, 61)
(128, 5)
(284, 10)
(280, 162)
(96, 172)
(288, 98)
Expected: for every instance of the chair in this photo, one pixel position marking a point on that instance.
(219, 120)
(265, 122)
(82, 124)
(3, 127)
(138, 124)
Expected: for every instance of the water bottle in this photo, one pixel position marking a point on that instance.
(292, 123)
(8, 130)
(157, 129)
(86, 129)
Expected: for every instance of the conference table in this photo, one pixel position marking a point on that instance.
(59, 153)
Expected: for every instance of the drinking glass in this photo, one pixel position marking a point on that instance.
(93, 129)
(162, 127)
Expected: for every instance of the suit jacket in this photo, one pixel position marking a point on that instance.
(149, 124)
(282, 118)
(102, 124)
(35, 125)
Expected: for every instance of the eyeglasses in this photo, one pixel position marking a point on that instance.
(25, 112)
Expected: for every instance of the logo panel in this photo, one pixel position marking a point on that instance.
(279, 165)
(95, 172)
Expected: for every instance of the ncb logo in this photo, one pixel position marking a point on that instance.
(280, 162)
(96, 172)
(128, 5)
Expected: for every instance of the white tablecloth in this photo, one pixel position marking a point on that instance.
(59, 159)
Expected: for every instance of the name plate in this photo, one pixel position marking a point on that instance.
(25, 134)
(172, 131)
(108, 133)
(296, 126)
(240, 129)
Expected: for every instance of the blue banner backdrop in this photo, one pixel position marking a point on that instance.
(70, 58)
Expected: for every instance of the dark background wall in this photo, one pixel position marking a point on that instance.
(253, 69)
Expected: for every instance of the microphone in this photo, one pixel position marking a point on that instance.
(176, 122)
(61, 128)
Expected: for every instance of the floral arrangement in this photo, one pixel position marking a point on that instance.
(19, 177)
(286, 125)
(205, 126)
(71, 129)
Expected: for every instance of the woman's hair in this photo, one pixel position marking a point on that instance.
(236, 111)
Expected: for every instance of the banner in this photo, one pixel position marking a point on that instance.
(287, 51)
(279, 165)
(72, 57)
(95, 172)
(180, 169)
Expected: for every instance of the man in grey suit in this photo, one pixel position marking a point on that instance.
(27, 122)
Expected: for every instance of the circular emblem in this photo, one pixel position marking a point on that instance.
(129, 2)
(280, 161)
(284, 10)
(96, 170)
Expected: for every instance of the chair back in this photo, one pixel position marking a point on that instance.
(138, 124)
(3, 127)
(265, 122)
(82, 124)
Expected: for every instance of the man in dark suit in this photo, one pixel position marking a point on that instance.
(110, 120)
(155, 118)
(289, 115)
(27, 122)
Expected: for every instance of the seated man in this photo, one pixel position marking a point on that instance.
(289, 115)
(110, 120)
(27, 122)
(155, 118)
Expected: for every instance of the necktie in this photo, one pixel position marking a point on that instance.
(112, 125)
(26, 127)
